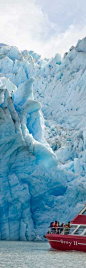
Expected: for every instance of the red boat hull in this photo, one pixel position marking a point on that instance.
(66, 242)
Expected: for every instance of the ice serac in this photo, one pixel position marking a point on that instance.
(61, 89)
(42, 167)
(25, 160)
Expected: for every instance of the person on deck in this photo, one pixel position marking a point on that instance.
(69, 224)
(57, 227)
(62, 227)
(67, 228)
(52, 226)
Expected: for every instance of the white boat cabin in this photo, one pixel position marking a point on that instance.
(78, 224)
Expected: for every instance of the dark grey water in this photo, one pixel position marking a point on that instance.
(38, 255)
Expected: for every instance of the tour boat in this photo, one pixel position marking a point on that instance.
(76, 237)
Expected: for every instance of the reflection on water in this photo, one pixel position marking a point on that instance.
(38, 255)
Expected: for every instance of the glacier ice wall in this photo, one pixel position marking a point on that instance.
(62, 94)
(37, 183)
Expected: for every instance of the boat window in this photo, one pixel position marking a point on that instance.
(80, 230)
(72, 228)
(85, 233)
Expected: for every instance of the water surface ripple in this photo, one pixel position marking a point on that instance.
(38, 255)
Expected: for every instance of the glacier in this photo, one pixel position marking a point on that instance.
(42, 140)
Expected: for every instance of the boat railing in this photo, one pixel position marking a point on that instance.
(72, 230)
(61, 230)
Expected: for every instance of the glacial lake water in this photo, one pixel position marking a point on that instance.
(38, 255)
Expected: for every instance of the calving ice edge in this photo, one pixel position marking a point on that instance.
(42, 162)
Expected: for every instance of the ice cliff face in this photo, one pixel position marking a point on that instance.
(37, 183)
(62, 94)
